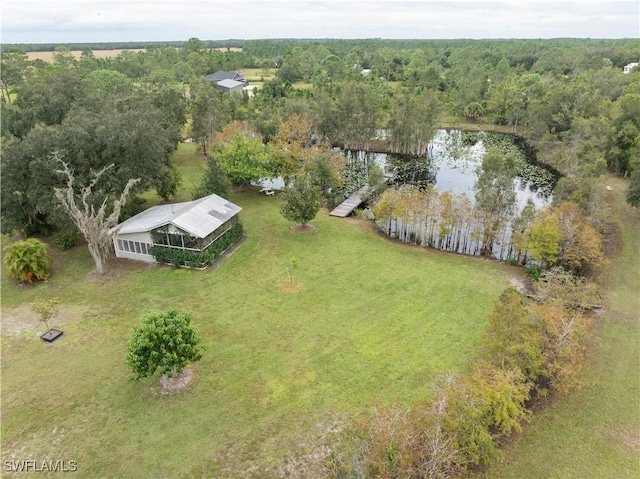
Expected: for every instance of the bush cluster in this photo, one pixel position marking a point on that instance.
(65, 240)
(197, 259)
(27, 260)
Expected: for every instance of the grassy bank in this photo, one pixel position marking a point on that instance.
(594, 432)
(373, 322)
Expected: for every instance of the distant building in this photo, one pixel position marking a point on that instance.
(629, 67)
(228, 82)
(222, 75)
(228, 86)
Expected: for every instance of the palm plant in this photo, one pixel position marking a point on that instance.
(27, 260)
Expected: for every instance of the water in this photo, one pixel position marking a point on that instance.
(451, 165)
(273, 183)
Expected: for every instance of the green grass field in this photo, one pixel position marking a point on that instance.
(374, 322)
(253, 75)
(595, 432)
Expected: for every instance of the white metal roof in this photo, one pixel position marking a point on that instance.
(230, 84)
(199, 218)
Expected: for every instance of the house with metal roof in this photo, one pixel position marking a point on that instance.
(222, 75)
(228, 86)
(192, 234)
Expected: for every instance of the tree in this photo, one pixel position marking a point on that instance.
(290, 147)
(47, 309)
(580, 244)
(47, 97)
(328, 173)
(241, 154)
(412, 122)
(513, 340)
(564, 343)
(208, 112)
(633, 193)
(128, 131)
(358, 114)
(294, 262)
(301, 201)
(490, 400)
(214, 181)
(473, 110)
(93, 225)
(543, 238)
(624, 138)
(520, 227)
(505, 393)
(63, 57)
(495, 194)
(13, 67)
(27, 182)
(561, 285)
(108, 82)
(27, 260)
(164, 341)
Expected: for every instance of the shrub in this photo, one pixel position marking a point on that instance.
(164, 341)
(197, 259)
(27, 260)
(65, 240)
(534, 272)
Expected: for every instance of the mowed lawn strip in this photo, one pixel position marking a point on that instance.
(374, 322)
(595, 432)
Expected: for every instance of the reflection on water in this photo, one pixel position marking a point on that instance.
(451, 165)
(441, 213)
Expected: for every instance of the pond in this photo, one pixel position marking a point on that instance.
(453, 162)
(440, 212)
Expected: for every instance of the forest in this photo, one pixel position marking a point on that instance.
(566, 101)
(567, 98)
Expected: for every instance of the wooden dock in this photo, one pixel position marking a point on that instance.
(350, 204)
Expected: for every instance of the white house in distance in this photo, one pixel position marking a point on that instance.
(629, 67)
(180, 233)
(228, 82)
(229, 86)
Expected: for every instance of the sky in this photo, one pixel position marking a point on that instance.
(86, 21)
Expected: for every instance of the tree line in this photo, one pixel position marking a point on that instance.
(567, 98)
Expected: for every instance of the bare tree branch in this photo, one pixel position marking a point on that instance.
(93, 226)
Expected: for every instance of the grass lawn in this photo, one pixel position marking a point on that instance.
(375, 321)
(191, 164)
(253, 75)
(455, 122)
(302, 85)
(595, 432)
(48, 56)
